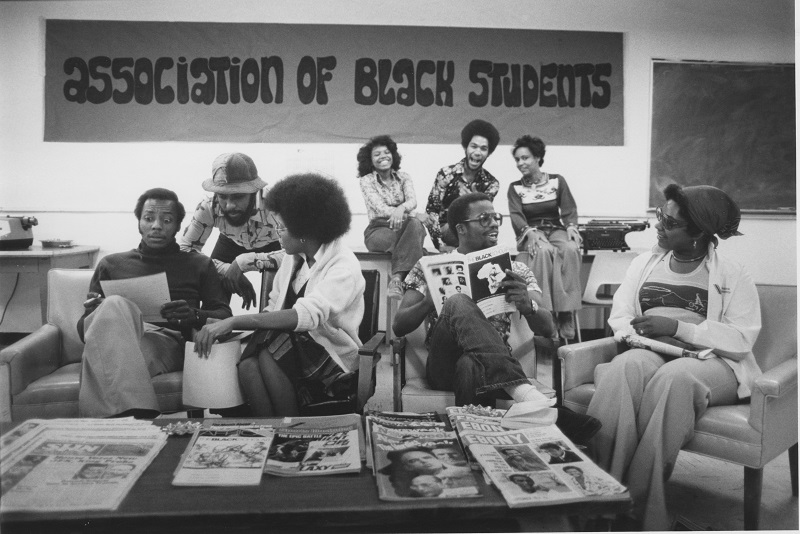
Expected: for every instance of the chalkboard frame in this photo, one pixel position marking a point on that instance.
(702, 140)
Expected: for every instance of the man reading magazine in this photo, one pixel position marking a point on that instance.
(469, 352)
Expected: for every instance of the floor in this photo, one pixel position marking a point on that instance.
(706, 493)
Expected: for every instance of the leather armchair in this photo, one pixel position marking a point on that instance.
(750, 434)
(411, 390)
(40, 374)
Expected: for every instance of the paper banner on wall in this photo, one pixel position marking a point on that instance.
(112, 81)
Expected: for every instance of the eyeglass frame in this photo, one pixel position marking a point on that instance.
(493, 216)
(278, 228)
(669, 223)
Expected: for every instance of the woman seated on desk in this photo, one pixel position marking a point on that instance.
(685, 293)
(391, 201)
(318, 296)
(540, 205)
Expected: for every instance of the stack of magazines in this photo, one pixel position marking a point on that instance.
(416, 456)
(236, 453)
(74, 464)
(530, 466)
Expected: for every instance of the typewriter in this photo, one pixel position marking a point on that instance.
(604, 234)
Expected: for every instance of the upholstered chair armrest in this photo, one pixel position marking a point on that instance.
(773, 400)
(398, 367)
(368, 358)
(580, 359)
(32, 357)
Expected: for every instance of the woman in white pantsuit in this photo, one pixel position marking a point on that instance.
(682, 292)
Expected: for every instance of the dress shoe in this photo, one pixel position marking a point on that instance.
(579, 428)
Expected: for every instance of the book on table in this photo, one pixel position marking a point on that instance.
(477, 275)
(418, 458)
(533, 466)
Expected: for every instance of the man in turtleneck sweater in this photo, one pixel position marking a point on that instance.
(122, 352)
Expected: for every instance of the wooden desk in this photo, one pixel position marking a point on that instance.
(37, 260)
(339, 503)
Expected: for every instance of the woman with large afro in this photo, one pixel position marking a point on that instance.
(317, 296)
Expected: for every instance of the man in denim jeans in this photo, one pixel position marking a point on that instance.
(468, 352)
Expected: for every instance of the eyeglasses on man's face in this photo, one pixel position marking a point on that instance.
(486, 218)
(668, 222)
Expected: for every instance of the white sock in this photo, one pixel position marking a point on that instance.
(524, 393)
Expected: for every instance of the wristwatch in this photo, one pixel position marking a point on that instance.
(534, 308)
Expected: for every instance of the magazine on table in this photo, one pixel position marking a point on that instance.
(532, 466)
(75, 464)
(418, 459)
(309, 446)
(403, 421)
(226, 456)
(477, 275)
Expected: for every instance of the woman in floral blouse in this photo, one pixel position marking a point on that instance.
(391, 201)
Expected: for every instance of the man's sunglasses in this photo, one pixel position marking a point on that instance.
(486, 219)
(668, 222)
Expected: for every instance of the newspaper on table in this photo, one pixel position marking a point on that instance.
(533, 466)
(419, 459)
(477, 275)
(309, 446)
(226, 456)
(75, 464)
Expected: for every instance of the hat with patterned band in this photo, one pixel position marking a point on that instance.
(233, 173)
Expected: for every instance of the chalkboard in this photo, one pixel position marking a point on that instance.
(730, 125)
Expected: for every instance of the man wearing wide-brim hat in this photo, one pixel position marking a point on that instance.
(247, 237)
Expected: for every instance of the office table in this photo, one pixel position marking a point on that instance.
(338, 503)
(38, 260)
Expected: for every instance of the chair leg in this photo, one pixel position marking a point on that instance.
(793, 467)
(752, 497)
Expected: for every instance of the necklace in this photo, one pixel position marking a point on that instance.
(690, 260)
(534, 183)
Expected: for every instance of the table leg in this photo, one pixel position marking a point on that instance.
(42, 274)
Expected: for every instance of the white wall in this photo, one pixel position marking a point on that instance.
(97, 184)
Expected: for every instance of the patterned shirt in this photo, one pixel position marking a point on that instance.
(530, 205)
(415, 279)
(449, 185)
(382, 197)
(257, 232)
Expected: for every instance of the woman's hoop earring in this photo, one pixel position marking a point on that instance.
(302, 240)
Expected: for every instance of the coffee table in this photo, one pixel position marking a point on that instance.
(334, 503)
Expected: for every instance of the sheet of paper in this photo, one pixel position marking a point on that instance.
(212, 382)
(148, 292)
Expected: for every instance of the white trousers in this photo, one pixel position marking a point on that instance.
(121, 354)
(648, 407)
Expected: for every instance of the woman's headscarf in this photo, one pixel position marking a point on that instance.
(712, 210)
